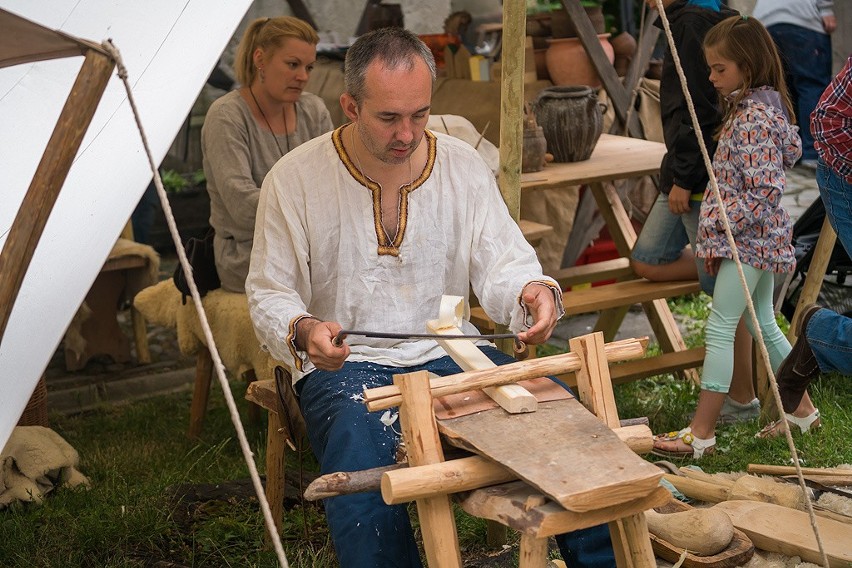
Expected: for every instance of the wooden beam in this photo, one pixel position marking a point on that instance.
(589, 38)
(382, 398)
(512, 104)
(26, 230)
(423, 446)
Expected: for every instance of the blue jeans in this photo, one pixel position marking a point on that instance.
(829, 334)
(807, 64)
(366, 532)
(665, 234)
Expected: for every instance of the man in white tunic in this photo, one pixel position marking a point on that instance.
(366, 228)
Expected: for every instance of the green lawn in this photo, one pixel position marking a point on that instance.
(140, 462)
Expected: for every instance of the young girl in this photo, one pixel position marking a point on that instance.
(756, 142)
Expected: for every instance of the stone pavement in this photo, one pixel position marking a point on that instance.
(103, 382)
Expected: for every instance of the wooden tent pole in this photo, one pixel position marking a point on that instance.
(49, 177)
(512, 103)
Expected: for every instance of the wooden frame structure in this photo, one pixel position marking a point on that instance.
(24, 42)
(429, 479)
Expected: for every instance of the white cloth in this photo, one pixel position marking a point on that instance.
(320, 250)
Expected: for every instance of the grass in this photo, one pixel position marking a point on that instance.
(139, 462)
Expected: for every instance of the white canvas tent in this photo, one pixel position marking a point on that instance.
(169, 49)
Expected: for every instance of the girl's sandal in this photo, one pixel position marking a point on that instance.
(776, 427)
(697, 447)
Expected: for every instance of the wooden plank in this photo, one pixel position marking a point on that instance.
(614, 269)
(621, 293)
(26, 229)
(512, 397)
(423, 447)
(617, 220)
(660, 364)
(593, 385)
(587, 468)
(507, 503)
(614, 158)
(533, 232)
(787, 531)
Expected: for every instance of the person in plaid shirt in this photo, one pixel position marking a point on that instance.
(825, 337)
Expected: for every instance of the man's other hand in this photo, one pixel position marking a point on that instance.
(539, 299)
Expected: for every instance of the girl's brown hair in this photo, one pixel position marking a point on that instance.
(268, 34)
(746, 42)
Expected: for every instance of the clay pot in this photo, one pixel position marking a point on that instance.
(568, 63)
(572, 120)
(624, 47)
(534, 149)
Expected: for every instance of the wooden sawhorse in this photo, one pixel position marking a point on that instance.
(429, 480)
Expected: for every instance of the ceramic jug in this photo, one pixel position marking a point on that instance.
(572, 120)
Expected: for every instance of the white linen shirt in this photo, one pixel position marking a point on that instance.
(320, 250)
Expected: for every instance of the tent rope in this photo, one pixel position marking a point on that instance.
(110, 48)
(736, 258)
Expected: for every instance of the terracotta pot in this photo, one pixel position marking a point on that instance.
(568, 63)
(572, 120)
(624, 47)
(535, 146)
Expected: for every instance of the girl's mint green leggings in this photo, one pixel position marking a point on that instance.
(729, 304)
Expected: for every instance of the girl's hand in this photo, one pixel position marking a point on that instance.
(679, 200)
(711, 265)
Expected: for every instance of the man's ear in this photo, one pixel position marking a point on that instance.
(349, 106)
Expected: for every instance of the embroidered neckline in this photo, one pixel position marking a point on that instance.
(386, 246)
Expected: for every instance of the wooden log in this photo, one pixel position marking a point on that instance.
(382, 398)
(420, 432)
(790, 470)
(409, 484)
(347, 482)
(400, 483)
(701, 490)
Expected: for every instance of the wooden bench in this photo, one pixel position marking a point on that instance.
(613, 300)
(95, 329)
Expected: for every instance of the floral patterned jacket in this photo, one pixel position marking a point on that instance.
(754, 148)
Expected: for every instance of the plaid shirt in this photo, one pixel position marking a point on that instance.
(831, 123)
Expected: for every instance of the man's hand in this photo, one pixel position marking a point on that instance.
(829, 24)
(679, 200)
(315, 337)
(711, 265)
(539, 299)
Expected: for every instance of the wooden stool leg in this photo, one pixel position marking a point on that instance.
(275, 464)
(630, 538)
(533, 552)
(140, 337)
(420, 432)
(253, 409)
(201, 392)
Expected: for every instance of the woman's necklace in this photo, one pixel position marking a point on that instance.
(286, 128)
(363, 173)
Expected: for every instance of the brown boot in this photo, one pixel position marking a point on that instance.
(800, 367)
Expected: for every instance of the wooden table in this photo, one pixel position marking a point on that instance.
(618, 158)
